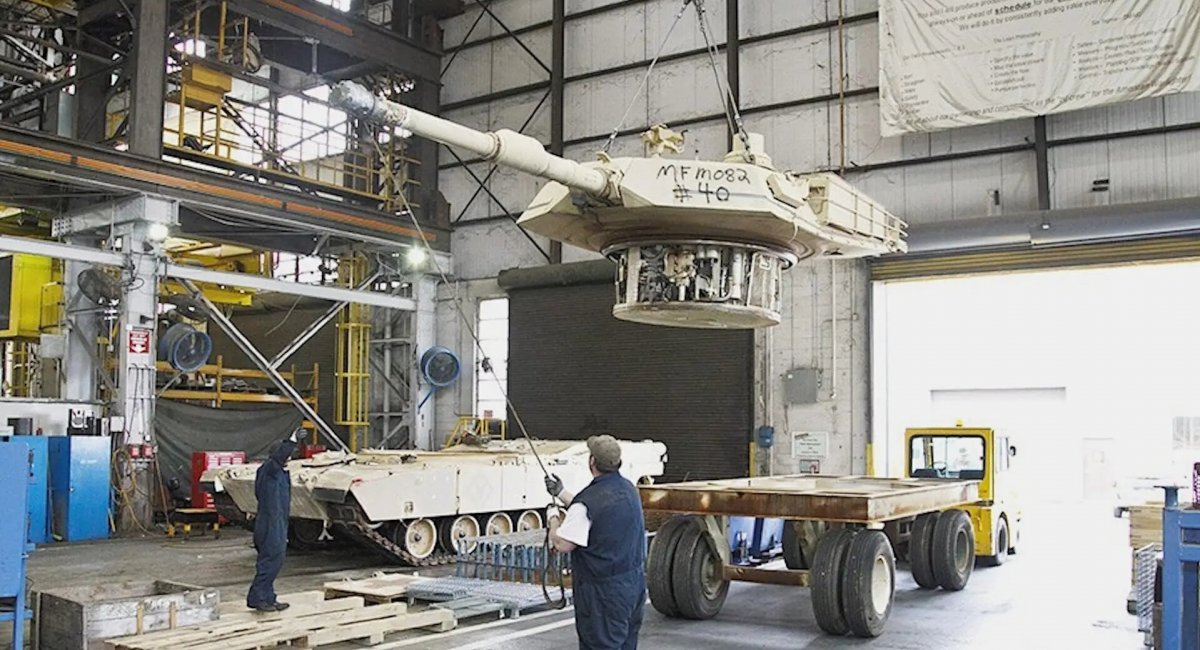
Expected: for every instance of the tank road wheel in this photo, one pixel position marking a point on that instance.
(1000, 547)
(697, 579)
(868, 583)
(529, 520)
(305, 534)
(417, 537)
(498, 524)
(658, 565)
(452, 530)
(920, 551)
(953, 550)
(828, 564)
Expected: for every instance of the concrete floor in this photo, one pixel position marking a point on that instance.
(1066, 589)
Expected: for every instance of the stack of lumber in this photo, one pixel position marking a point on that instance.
(1145, 525)
(310, 622)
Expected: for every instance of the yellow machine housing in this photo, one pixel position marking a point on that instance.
(21, 280)
(956, 453)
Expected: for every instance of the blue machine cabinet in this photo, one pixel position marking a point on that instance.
(39, 486)
(14, 461)
(79, 486)
(1180, 575)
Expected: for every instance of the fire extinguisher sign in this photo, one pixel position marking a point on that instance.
(139, 341)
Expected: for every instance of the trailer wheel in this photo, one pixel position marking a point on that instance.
(1001, 546)
(826, 580)
(305, 534)
(697, 576)
(868, 583)
(658, 565)
(920, 551)
(799, 542)
(953, 550)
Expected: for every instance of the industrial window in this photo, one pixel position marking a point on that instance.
(490, 386)
(306, 269)
(340, 5)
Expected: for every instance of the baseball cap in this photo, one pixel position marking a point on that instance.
(607, 452)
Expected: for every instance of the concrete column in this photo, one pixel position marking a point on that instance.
(136, 353)
(149, 83)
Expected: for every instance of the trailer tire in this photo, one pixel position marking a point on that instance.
(920, 551)
(696, 576)
(826, 580)
(1001, 546)
(868, 584)
(793, 555)
(658, 566)
(953, 550)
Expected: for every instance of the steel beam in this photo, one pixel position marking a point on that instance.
(195, 274)
(148, 85)
(558, 66)
(733, 58)
(1041, 154)
(314, 327)
(263, 364)
(77, 164)
(347, 34)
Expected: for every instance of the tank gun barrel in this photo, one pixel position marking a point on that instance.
(503, 147)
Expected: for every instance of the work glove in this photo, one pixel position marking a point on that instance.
(296, 436)
(554, 485)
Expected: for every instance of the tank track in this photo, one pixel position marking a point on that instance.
(228, 509)
(350, 521)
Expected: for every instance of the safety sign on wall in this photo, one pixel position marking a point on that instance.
(139, 340)
(810, 444)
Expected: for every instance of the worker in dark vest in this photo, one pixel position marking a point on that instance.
(273, 491)
(604, 531)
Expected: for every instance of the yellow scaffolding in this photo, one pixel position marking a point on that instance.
(352, 385)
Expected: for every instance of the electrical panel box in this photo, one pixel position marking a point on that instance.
(21, 281)
(800, 385)
(80, 495)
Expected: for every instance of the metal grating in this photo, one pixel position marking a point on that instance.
(1145, 563)
(576, 371)
(512, 597)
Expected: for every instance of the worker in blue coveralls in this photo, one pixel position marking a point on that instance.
(273, 490)
(604, 531)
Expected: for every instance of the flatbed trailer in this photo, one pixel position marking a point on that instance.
(849, 528)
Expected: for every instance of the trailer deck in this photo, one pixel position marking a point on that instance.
(846, 499)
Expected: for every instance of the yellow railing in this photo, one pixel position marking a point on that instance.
(352, 395)
(307, 382)
(469, 426)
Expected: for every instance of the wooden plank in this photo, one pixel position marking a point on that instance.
(238, 606)
(383, 587)
(443, 619)
(766, 576)
(301, 609)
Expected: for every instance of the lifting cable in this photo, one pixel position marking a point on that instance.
(466, 322)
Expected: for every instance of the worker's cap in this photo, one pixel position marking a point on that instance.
(607, 452)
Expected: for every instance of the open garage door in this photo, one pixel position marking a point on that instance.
(575, 371)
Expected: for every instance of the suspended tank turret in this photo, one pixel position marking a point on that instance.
(697, 243)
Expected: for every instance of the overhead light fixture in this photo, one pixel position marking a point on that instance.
(157, 232)
(416, 256)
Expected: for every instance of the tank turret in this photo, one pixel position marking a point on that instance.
(697, 243)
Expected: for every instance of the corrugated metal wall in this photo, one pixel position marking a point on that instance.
(576, 371)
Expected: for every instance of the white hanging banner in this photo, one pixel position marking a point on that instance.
(951, 63)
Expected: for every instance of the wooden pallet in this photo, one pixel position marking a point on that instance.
(379, 588)
(310, 622)
(1145, 525)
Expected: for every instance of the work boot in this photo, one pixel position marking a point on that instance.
(279, 607)
(265, 607)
